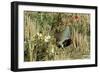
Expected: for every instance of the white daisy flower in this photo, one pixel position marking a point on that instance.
(47, 38)
(52, 50)
(39, 34)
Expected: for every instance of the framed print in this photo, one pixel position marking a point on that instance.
(52, 36)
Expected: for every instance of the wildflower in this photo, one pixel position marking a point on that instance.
(47, 38)
(52, 50)
(39, 34)
(76, 17)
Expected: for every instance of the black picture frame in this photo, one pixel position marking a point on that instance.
(14, 35)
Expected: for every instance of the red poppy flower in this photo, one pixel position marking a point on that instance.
(76, 17)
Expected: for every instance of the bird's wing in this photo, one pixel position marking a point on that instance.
(66, 33)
